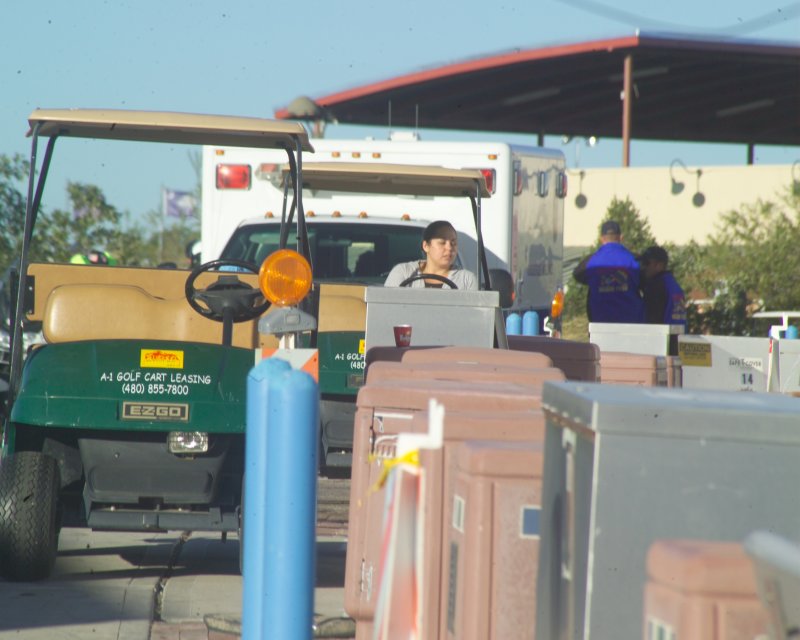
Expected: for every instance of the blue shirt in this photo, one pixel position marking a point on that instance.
(665, 302)
(613, 276)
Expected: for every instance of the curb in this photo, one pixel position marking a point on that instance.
(230, 627)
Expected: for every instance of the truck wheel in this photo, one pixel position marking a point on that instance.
(29, 486)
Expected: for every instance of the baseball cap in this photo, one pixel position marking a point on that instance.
(610, 227)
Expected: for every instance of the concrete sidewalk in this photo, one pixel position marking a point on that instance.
(163, 586)
(102, 587)
(202, 597)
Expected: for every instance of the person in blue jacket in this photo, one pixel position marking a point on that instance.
(664, 300)
(613, 276)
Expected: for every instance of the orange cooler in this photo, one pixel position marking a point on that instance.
(617, 367)
(578, 360)
(492, 541)
(472, 410)
(701, 590)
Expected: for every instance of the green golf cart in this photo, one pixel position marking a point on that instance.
(350, 254)
(131, 416)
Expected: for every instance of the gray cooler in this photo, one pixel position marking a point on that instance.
(437, 316)
(625, 466)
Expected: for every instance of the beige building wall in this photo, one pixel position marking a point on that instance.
(673, 217)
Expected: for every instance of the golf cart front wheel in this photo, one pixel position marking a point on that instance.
(29, 486)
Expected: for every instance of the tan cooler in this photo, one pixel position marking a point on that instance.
(617, 367)
(390, 354)
(492, 541)
(472, 372)
(578, 360)
(701, 590)
(415, 355)
(500, 411)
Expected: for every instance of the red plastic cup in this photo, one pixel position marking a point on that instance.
(402, 335)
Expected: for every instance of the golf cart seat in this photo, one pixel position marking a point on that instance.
(75, 312)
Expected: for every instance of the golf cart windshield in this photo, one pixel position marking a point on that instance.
(340, 251)
(408, 180)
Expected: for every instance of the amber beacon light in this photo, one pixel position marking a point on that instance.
(557, 306)
(285, 277)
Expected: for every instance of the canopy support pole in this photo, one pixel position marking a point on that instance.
(627, 106)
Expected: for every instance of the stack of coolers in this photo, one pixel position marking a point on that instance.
(586, 361)
(481, 490)
(635, 369)
(639, 354)
(596, 503)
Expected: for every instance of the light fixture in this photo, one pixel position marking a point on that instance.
(542, 183)
(745, 107)
(581, 200)
(590, 141)
(187, 442)
(531, 96)
(677, 187)
(698, 199)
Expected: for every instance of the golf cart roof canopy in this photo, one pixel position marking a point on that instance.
(402, 179)
(169, 127)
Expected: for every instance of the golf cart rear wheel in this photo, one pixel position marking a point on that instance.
(29, 485)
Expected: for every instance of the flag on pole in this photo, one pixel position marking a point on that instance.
(179, 204)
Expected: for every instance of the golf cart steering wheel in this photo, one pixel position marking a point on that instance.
(428, 276)
(227, 299)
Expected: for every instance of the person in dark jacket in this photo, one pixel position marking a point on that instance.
(664, 300)
(613, 276)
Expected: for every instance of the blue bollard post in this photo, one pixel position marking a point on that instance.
(530, 324)
(280, 502)
(513, 324)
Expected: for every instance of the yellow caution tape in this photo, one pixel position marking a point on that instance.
(412, 458)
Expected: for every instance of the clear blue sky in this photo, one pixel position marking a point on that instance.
(250, 58)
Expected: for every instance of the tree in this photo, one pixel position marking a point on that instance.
(749, 264)
(93, 223)
(13, 171)
(166, 242)
(90, 223)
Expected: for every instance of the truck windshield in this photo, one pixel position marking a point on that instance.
(339, 251)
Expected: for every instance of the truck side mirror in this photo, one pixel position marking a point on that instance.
(503, 283)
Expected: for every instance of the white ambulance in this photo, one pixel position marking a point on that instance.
(522, 221)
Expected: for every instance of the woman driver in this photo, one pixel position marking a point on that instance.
(440, 244)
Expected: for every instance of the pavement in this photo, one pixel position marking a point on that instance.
(162, 586)
(210, 604)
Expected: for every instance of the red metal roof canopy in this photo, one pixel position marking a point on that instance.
(681, 88)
